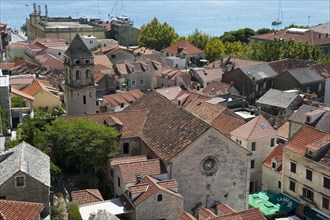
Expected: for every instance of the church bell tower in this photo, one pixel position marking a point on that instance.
(80, 92)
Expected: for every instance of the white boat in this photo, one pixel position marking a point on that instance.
(280, 15)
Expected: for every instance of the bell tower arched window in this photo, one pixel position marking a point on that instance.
(77, 75)
(88, 73)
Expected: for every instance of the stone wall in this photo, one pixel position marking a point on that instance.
(34, 191)
(270, 179)
(229, 184)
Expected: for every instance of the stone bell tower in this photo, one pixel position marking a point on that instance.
(80, 92)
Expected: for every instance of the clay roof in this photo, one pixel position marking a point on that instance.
(226, 123)
(78, 49)
(310, 37)
(154, 187)
(186, 216)
(276, 154)
(20, 80)
(250, 214)
(125, 98)
(21, 94)
(237, 61)
(308, 138)
(281, 66)
(206, 213)
(216, 88)
(148, 167)
(12, 65)
(323, 69)
(18, 44)
(123, 160)
(102, 60)
(209, 74)
(225, 209)
(17, 210)
(178, 48)
(169, 128)
(170, 73)
(283, 131)
(169, 184)
(48, 60)
(86, 196)
(256, 128)
(322, 123)
(35, 87)
(204, 110)
(189, 97)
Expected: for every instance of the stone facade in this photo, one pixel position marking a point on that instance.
(169, 208)
(32, 191)
(229, 184)
(271, 180)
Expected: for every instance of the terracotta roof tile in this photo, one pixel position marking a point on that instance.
(277, 154)
(16, 210)
(123, 160)
(169, 184)
(283, 131)
(216, 88)
(86, 196)
(307, 138)
(148, 167)
(21, 94)
(168, 128)
(224, 209)
(250, 214)
(186, 216)
(140, 188)
(154, 187)
(205, 111)
(102, 60)
(178, 48)
(20, 80)
(123, 98)
(226, 123)
(206, 213)
(256, 128)
(35, 87)
(310, 37)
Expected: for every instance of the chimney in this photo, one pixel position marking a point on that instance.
(138, 177)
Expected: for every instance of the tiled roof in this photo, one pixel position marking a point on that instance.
(216, 88)
(237, 62)
(277, 154)
(311, 37)
(49, 60)
(11, 65)
(123, 160)
(34, 88)
(168, 128)
(307, 137)
(250, 214)
(153, 57)
(186, 216)
(18, 44)
(259, 72)
(129, 170)
(17, 210)
(225, 209)
(283, 131)
(189, 97)
(204, 110)
(256, 128)
(78, 49)
(281, 66)
(169, 184)
(322, 123)
(140, 188)
(27, 159)
(206, 213)
(86, 196)
(323, 69)
(278, 98)
(170, 73)
(123, 98)
(226, 123)
(21, 80)
(102, 60)
(305, 75)
(209, 74)
(154, 187)
(21, 94)
(178, 48)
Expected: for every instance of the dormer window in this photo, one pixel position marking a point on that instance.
(308, 119)
(310, 152)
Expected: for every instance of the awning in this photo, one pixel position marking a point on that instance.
(315, 214)
(286, 202)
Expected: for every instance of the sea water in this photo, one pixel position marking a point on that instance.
(211, 17)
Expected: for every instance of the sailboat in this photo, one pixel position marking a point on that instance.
(280, 15)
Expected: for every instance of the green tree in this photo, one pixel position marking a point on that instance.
(156, 35)
(214, 49)
(74, 213)
(198, 39)
(234, 49)
(17, 102)
(4, 122)
(263, 31)
(241, 35)
(83, 144)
